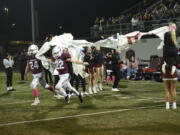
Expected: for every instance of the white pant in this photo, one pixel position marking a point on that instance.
(38, 79)
(64, 82)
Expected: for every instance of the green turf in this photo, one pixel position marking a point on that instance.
(138, 109)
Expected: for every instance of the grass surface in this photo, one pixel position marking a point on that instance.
(138, 109)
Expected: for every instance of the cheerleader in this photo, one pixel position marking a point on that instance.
(170, 58)
(90, 69)
(99, 60)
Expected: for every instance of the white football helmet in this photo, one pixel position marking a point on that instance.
(32, 50)
(57, 52)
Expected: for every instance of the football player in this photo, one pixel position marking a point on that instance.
(60, 60)
(37, 71)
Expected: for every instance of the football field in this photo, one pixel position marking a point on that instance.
(137, 109)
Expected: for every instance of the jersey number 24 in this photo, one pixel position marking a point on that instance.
(34, 64)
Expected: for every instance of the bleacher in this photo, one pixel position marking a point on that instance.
(126, 27)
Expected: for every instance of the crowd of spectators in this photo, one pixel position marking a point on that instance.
(161, 10)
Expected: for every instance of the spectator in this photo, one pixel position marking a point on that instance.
(177, 8)
(132, 67)
(134, 23)
(116, 69)
(129, 54)
(96, 23)
(101, 23)
(171, 7)
(124, 70)
(22, 64)
(8, 63)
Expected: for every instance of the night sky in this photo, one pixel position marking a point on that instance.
(75, 16)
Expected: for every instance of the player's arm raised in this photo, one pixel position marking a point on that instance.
(77, 62)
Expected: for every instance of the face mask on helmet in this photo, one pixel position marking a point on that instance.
(32, 50)
(56, 52)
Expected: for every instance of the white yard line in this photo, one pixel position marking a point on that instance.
(142, 99)
(159, 101)
(113, 96)
(75, 116)
(22, 102)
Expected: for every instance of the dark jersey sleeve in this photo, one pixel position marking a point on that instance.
(65, 56)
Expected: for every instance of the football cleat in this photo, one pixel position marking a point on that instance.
(36, 102)
(115, 89)
(85, 93)
(57, 96)
(80, 98)
(67, 99)
(51, 88)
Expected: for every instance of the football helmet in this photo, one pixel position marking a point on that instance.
(32, 50)
(57, 52)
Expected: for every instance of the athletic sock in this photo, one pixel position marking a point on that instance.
(107, 80)
(35, 92)
(113, 79)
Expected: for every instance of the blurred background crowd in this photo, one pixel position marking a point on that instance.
(140, 17)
